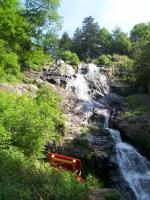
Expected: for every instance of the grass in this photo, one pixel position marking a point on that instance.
(137, 105)
(27, 179)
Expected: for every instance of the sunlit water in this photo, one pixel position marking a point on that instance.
(135, 169)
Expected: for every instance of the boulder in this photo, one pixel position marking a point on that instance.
(100, 112)
(137, 130)
(94, 82)
(98, 84)
(104, 194)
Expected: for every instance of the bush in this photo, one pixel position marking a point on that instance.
(70, 58)
(104, 60)
(31, 121)
(124, 61)
(35, 59)
(9, 66)
(31, 179)
(91, 181)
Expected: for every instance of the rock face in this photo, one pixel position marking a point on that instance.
(59, 74)
(104, 194)
(137, 130)
(86, 107)
(94, 148)
(96, 79)
(64, 75)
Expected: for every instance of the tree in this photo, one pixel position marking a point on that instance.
(76, 42)
(121, 44)
(142, 64)
(65, 42)
(13, 26)
(88, 39)
(43, 18)
(140, 36)
(105, 40)
(140, 31)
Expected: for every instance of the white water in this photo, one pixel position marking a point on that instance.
(79, 85)
(134, 168)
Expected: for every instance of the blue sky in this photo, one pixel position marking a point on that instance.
(108, 13)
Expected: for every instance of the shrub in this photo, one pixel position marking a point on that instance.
(26, 179)
(104, 60)
(35, 59)
(91, 181)
(9, 66)
(123, 61)
(31, 121)
(70, 58)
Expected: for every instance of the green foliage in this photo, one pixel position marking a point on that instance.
(91, 181)
(25, 125)
(70, 58)
(81, 142)
(140, 32)
(43, 18)
(65, 42)
(36, 59)
(77, 42)
(138, 105)
(86, 39)
(30, 179)
(5, 137)
(140, 35)
(124, 61)
(9, 66)
(22, 28)
(142, 64)
(31, 121)
(112, 196)
(104, 60)
(105, 39)
(121, 44)
(14, 27)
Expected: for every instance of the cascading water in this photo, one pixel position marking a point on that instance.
(134, 168)
(80, 86)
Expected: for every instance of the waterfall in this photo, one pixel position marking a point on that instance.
(81, 88)
(134, 168)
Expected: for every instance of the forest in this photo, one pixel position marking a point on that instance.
(29, 40)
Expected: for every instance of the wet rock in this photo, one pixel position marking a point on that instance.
(62, 74)
(104, 193)
(59, 74)
(100, 112)
(98, 84)
(137, 130)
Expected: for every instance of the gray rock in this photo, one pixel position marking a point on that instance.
(137, 130)
(19, 88)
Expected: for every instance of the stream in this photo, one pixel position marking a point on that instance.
(134, 169)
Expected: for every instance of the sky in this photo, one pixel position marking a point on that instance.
(108, 13)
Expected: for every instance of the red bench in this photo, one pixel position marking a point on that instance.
(68, 163)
